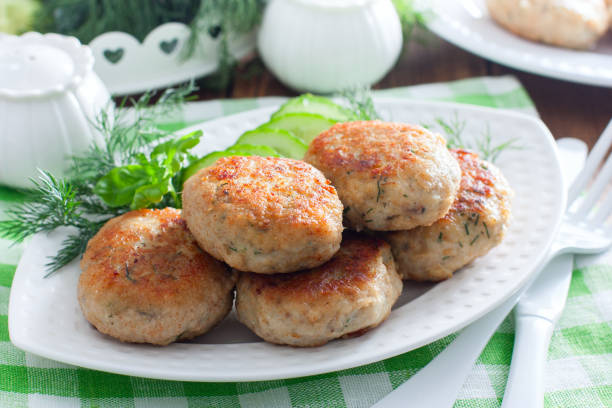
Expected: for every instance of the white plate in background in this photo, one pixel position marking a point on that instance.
(467, 24)
(45, 319)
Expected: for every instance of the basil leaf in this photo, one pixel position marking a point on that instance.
(150, 194)
(181, 145)
(118, 186)
(145, 184)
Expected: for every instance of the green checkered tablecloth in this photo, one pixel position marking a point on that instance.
(578, 372)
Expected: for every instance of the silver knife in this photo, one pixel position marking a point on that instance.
(438, 383)
(539, 309)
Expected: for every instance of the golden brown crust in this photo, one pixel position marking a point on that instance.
(160, 263)
(264, 214)
(349, 270)
(298, 195)
(379, 148)
(477, 183)
(476, 222)
(389, 176)
(347, 296)
(143, 268)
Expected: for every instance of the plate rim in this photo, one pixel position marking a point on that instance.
(437, 26)
(284, 372)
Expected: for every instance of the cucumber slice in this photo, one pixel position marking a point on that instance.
(306, 126)
(253, 150)
(206, 161)
(284, 142)
(235, 150)
(212, 157)
(309, 103)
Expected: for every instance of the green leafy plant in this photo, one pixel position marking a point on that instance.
(359, 101)
(412, 20)
(221, 19)
(139, 166)
(454, 130)
(86, 19)
(145, 183)
(53, 203)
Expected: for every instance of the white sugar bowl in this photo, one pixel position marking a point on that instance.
(49, 98)
(324, 46)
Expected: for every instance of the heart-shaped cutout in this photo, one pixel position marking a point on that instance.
(168, 46)
(113, 56)
(214, 31)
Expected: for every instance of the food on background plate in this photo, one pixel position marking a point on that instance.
(145, 280)
(476, 222)
(389, 176)
(264, 214)
(566, 23)
(350, 294)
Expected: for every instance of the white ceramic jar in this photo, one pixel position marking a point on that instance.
(324, 46)
(49, 98)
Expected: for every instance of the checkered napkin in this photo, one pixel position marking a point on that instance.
(578, 372)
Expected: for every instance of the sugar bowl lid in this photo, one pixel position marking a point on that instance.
(34, 65)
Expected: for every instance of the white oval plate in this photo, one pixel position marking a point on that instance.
(467, 24)
(45, 319)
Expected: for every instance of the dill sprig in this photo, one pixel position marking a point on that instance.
(488, 150)
(149, 161)
(53, 203)
(50, 205)
(360, 102)
(454, 131)
(126, 132)
(72, 247)
(455, 138)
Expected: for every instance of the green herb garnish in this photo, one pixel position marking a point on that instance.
(360, 102)
(489, 151)
(455, 139)
(380, 190)
(145, 183)
(139, 166)
(486, 229)
(127, 274)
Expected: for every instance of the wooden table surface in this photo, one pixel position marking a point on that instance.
(568, 109)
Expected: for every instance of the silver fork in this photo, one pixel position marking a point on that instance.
(578, 234)
(583, 230)
(541, 306)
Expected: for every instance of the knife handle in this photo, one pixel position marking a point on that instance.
(525, 387)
